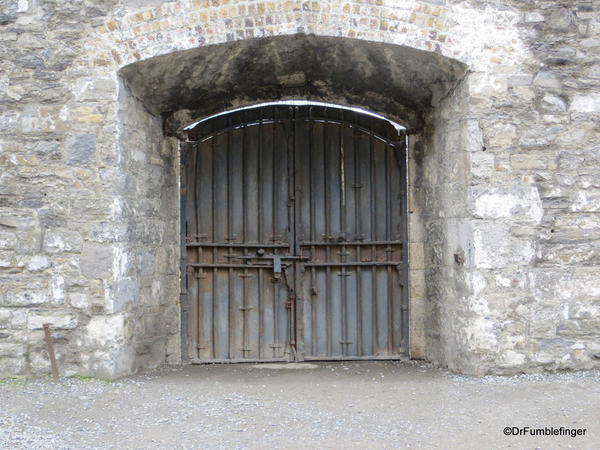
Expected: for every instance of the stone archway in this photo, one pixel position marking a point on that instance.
(453, 178)
(403, 83)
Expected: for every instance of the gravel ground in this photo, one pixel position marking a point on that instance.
(327, 405)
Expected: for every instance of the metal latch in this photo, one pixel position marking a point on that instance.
(276, 264)
(277, 259)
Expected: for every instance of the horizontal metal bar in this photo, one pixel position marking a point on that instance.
(236, 360)
(233, 266)
(268, 257)
(242, 245)
(349, 243)
(402, 357)
(353, 264)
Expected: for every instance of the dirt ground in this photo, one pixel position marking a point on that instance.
(374, 405)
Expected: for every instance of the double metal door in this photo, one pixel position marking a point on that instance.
(294, 237)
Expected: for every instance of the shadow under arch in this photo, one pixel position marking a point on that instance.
(399, 81)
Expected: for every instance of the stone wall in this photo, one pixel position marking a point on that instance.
(88, 207)
(146, 265)
(504, 192)
(503, 182)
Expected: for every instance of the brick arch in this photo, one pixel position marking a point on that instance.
(457, 31)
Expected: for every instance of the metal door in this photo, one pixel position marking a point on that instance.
(294, 237)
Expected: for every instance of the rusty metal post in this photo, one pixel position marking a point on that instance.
(50, 344)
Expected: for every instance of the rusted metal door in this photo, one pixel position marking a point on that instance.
(294, 237)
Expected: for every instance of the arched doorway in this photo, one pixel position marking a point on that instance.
(163, 95)
(294, 223)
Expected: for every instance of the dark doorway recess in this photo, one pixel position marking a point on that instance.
(294, 237)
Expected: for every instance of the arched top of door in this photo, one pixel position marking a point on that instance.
(285, 110)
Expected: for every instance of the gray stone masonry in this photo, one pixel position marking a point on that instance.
(502, 98)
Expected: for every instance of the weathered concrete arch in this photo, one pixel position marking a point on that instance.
(396, 80)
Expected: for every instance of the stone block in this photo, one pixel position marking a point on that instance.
(560, 18)
(8, 349)
(586, 200)
(416, 255)
(79, 300)
(534, 17)
(546, 79)
(579, 328)
(59, 241)
(37, 263)
(511, 358)
(123, 293)
(105, 331)
(533, 160)
(16, 221)
(567, 254)
(500, 135)
(520, 80)
(482, 164)
(12, 366)
(8, 240)
(96, 261)
(519, 203)
(586, 103)
(30, 294)
(56, 319)
(417, 284)
(39, 360)
(553, 103)
(493, 247)
(82, 149)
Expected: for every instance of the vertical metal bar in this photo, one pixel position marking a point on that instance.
(259, 175)
(245, 213)
(292, 187)
(261, 238)
(274, 177)
(344, 281)
(388, 234)
(327, 191)
(294, 245)
(373, 209)
(276, 302)
(372, 205)
(198, 305)
(230, 320)
(357, 234)
(312, 234)
(310, 175)
(275, 193)
(313, 309)
(51, 354)
(214, 250)
(192, 229)
(342, 173)
(404, 340)
(261, 328)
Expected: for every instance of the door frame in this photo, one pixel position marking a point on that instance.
(195, 133)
